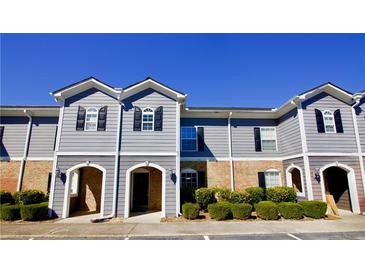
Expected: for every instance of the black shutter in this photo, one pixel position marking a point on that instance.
(102, 118)
(261, 177)
(80, 123)
(1, 133)
(338, 121)
(319, 119)
(158, 118)
(257, 134)
(200, 139)
(55, 138)
(201, 179)
(137, 119)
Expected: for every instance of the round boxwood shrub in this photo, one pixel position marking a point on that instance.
(6, 198)
(190, 211)
(220, 211)
(314, 209)
(241, 211)
(255, 194)
(9, 212)
(34, 212)
(204, 196)
(289, 210)
(238, 197)
(28, 197)
(222, 194)
(279, 194)
(267, 210)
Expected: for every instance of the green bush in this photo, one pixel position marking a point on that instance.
(279, 194)
(34, 212)
(222, 194)
(220, 211)
(289, 210)
(187, 195)
(314, 209)
(255, 194)
(204, 196)
(6, 198)
(28, 197)
(267, 210)
(190, 211)
(241, 211)
(9, 212)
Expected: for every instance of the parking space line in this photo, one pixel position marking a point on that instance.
(294, 237)
(126, 238)
(206, 237)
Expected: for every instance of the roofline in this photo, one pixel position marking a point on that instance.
(14, 106)
(150, 78)
(229, 109)
(79, 82)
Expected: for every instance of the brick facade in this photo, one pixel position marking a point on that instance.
(36, 175)
(155, 195)
(9, 172)
(90, 187)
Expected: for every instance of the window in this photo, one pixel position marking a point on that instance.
(91, 119)
(74, 189)
(147, 119)
(329, 122)
(272, 178)
(268, 138)
(189, 178)
(188, 139)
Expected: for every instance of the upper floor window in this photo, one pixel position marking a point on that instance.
(91, 119)
(147, 119)
(268, 138)
(188, 139)
(189, 178)
(272, 178)
(329, 122)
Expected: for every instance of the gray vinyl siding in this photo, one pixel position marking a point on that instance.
(328, 142)
(360, 115)
(319, 162)
(300, 163)
(15, 134)
(288, 134)
(166, 162)
(91, 141)
(149, 141)
(43, 137)
(66, 162)
(243, 141)
(215, 137)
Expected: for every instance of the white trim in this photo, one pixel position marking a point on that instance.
(326, 154)
(25, 152)
(39, 159)
(7, 158)
(84, 153)
(116, 162)
(148, 122)
(289, 181)
(274, 170)
(276, 139)
(96, 122)
(177, 187)
(203, 159)
(351, 180)
(263, 158)
(231, 168)
(196, 139)
(66, 198)
(328, 124)
(133, 153)
(128, 186)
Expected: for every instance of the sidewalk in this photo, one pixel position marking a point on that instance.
(119, 230)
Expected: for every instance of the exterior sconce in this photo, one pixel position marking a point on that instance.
(58, 172)
(171, 174)
(317, 176)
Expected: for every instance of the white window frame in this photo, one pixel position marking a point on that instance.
(326, 123)
(196, 139)
(276, 139)
(74, 183)
(189, 170)
(153, 119)
(274, 170)
(96, 122)
(289, 179)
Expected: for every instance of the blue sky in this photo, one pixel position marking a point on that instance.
(241, 70)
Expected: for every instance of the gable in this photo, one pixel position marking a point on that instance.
(324, 100)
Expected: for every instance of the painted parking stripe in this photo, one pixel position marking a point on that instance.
(206, 237)
(126, 238)
(294, 237)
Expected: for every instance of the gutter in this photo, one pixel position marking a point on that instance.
(26, 146)
(230, 151)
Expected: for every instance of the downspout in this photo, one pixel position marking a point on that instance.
(358, 144)
(178, 106)
(230, 151)
(26, 146)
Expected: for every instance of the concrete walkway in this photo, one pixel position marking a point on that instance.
(112, 230)
(145, 218)
(84, 219)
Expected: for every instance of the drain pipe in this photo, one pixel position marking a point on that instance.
(230, 151)
(25, 153)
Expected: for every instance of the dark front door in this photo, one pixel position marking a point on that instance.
(140, 191)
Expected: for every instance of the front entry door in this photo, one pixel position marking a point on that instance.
(140, 191)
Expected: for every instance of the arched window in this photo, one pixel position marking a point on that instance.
(272, 178)
(189, 178)
(148, 118)
(91, 119)
(329, 122)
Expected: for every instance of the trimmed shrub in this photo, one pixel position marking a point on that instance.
(289, 210)
(190, 211)
(279, 194)
(239, 197)
(204, 196)
(267, 210)
(314, 209)
(241, 211)
(255, 194)
(9, 212)
(29, 197)
(187, 195)
(6, 198)
(34, 212)
(222, 194)
(220, 211)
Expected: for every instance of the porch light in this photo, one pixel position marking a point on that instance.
(58, 172)
(317, 176)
